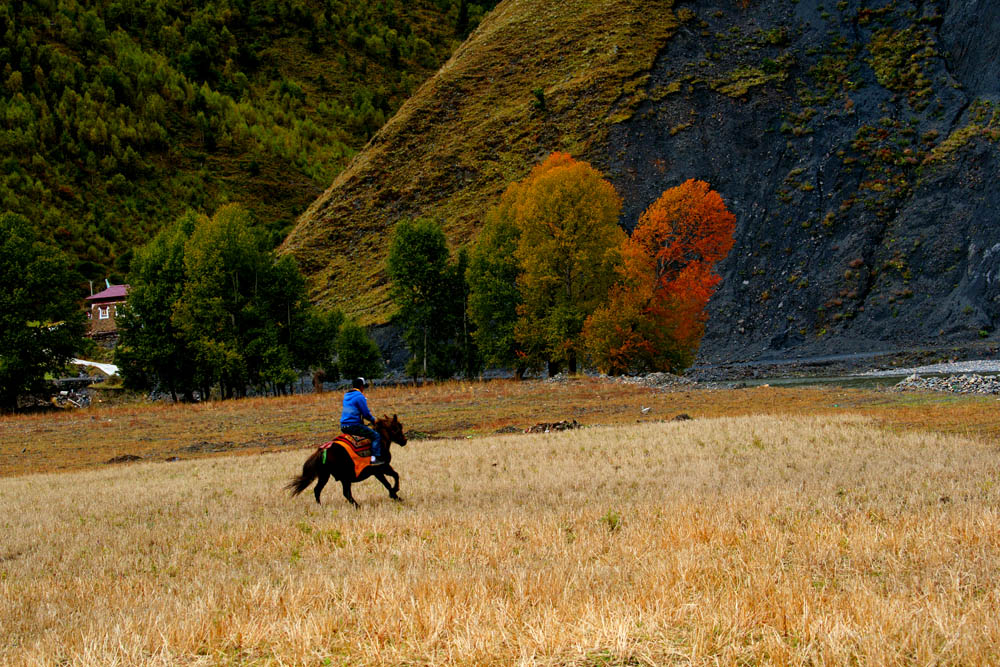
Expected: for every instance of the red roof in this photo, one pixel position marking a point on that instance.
(113, 292)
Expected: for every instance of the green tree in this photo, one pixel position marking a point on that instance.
(467, 357)
(300, 336)
(211, 306)
(240, 307)
(41, 322)
(151, 348)
(493, 293)
(223, 266)
(424, 290)
(357, 354)
(314, 345)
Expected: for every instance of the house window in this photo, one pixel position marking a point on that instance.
(103, 313)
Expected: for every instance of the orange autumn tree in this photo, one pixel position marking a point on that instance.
(655, 315)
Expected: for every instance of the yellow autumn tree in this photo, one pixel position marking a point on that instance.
(568, 250)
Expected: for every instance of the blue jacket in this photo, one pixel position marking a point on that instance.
(355, 408)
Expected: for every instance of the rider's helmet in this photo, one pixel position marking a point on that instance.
(359, 383)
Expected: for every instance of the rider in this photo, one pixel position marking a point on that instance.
(352, 421)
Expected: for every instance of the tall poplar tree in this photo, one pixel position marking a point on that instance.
(493, 294)
(151, 348)
(568, 248)
(429, 291)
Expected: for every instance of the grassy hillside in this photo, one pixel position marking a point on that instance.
(117, 116)
(479, 123)
(735, 540)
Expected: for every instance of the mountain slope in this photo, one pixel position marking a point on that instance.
(856, 144)
(475, 126)
(115, 117)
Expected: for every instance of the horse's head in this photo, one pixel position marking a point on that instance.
(392, 430)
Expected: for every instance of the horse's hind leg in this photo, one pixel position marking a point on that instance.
(347, 493)
(323, 478)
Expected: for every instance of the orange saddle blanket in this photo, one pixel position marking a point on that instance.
(359, 449)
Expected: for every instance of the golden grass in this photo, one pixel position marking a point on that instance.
(756, 539)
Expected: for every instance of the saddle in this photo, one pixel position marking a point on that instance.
(359, 449)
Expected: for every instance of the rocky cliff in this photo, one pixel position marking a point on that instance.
(856, 142)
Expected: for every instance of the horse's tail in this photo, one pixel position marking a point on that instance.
(310, 471)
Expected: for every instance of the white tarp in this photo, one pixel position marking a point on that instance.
(109, 369)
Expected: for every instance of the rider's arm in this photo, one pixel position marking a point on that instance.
(365, 412)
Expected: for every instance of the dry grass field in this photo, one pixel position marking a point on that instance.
(83, 439)
(831, 527)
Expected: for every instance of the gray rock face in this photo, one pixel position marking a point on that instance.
(972, 50)
(857, 144)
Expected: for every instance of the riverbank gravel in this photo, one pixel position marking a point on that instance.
(657, 380)
(953, 368)
(956, 384)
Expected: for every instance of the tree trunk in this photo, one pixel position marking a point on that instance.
(466, 353)
(572, 362)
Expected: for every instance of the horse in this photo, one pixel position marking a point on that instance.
(340, 466)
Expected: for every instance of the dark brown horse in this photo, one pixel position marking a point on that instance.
(340, 466)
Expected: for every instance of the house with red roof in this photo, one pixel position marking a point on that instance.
(102, 309)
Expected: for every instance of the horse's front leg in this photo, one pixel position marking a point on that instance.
(347, 493)
(393, 490)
